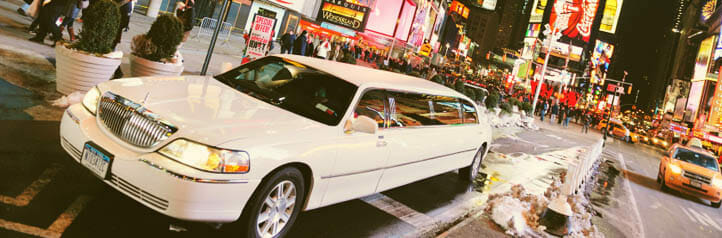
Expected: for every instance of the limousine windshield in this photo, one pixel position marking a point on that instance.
(294, 87)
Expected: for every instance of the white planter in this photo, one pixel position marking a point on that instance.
(143, 67)
(79, 71)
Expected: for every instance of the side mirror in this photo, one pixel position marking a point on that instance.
(364, 124)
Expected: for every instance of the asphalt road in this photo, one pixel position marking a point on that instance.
(632, 205)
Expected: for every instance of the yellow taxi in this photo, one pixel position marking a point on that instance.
(691, 170)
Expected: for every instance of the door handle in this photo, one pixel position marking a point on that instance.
(381, 143)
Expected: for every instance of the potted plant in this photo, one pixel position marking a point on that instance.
(156, 52)
(92, 59)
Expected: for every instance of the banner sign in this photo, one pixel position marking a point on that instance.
(537, 11)
(343, 13)
(260, 36)
(610, 19)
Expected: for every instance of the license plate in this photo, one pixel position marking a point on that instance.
(695, 184)
(96, 159)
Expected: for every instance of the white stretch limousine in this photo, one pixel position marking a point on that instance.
(258, 144)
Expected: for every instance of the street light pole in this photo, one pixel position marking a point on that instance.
(219, 24)
(544, 68)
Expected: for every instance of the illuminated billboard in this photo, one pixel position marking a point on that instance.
(537, 11)
(459, 8)
(716, 108)
(708, 10)
(533, 30)
(703, 59)
(575, 17)
(610, 19)
(405, 20)
(383, 19)
(562, 50)
(695, 95)
(602, 55)
(344, 14)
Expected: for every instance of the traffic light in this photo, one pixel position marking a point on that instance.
(629, 92)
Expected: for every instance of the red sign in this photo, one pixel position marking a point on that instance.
(576, 17)
(459, 8)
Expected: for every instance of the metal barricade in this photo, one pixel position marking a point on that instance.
(208, 25)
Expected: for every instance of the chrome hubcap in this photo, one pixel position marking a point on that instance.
(276, 210)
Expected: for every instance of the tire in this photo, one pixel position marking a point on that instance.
(291, 183)
(663, 186)
(716, 204)
(470, 172)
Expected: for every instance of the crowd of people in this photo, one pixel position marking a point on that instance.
(562, 114)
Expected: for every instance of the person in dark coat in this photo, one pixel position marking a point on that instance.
(287, 41)
(49, 14)
(299, 45)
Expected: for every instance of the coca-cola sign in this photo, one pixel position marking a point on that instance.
(575, 17)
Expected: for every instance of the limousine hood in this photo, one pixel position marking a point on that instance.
(206, 110)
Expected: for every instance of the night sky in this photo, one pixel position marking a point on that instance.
(641, 34)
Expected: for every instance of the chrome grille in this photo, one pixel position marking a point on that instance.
(139, 193)
(131, 122)
(697, 177)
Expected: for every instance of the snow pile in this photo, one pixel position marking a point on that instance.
(70, 99)
(501, 120)
(519, 212)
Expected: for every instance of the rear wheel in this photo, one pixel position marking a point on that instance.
(469, 173)
(273, 208)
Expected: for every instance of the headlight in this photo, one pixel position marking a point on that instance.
(207, 158)
(675, 169)
(664, 143)
(90, 101)
(655, 140)
(717, 182)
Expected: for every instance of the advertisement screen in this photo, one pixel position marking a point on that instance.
(716, 108)
(708, 10)
(533, 30)
(459, 8)
(382, 18)
(602, 55)
(575, 17)
(528, 52)
(610, 19)
(347, 15)
(703, 59)
(417, 26)
(678, 88)
(695, 94)
(405, 19)
(537, 11)
(562, 50)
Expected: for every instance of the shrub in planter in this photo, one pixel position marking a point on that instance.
(480, 95)
(471, 93)
(492, 100)
(154, 53)
(505, 107)
(459, 85)
(91, 60)
(514, 102)
(526, 107)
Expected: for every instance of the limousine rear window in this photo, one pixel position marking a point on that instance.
(469, 113)
(302, 90)
(411, 109)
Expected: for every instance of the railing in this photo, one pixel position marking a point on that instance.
(578, 174)
(208, 25)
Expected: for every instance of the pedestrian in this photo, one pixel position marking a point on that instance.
(543, 110)
(586, 119)
(299, 45)
(323, 49)
(287, 42)
(567, 117)
(555, 112)
(185, 14)
(48, 18)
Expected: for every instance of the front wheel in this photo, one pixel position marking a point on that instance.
(470, 172)
(716, 204)
(273, 208)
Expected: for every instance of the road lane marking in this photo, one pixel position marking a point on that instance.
(400, 211)
(631, 195)
(704, 219)
(31, 191)
(58, 226)
(689, 215)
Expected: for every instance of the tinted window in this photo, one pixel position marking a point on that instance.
(294, 87)
(372, 105)
(470, 116)
(446, 110)
(411, 109)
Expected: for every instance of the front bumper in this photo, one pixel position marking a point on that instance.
(682, 184)
(155, 181)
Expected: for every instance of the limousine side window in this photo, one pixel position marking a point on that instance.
(469, 113)
(372, 105)
(412, 109)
